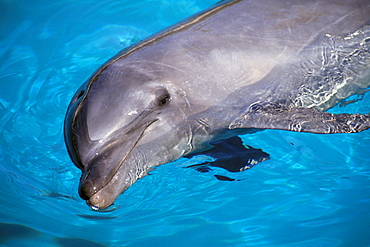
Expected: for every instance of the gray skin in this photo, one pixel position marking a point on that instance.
(237, 66)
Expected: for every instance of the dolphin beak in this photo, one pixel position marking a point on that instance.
(98, 203)
(112, 170)
(98, 184)
(106, 196)
(105, 178)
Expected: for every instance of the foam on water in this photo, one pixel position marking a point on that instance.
(314, 191)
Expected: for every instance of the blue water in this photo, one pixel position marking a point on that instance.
(314, 191)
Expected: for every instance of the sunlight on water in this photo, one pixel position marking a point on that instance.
(314, 191)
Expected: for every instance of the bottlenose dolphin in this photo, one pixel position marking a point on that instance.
(237, 66)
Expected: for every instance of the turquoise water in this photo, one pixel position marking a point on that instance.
(314, 191)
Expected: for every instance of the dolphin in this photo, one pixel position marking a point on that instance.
(236, 67)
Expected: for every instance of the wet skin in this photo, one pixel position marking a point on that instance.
(237, 66)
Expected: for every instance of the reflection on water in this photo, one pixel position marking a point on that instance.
(312, 184)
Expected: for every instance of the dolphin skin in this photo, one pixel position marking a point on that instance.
(236, 67)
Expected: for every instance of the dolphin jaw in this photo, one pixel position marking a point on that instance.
(106, 196)
(103, 195)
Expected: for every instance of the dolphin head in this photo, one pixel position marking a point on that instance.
(113, 127)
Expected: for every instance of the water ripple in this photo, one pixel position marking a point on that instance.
(312, 184)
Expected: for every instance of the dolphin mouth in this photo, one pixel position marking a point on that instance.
(112, 183)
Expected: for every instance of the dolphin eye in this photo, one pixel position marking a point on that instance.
(164, 100)
(162, 96)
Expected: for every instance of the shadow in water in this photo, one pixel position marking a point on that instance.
(71, 242)
(11, 231)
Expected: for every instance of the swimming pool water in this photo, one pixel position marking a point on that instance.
(314, 191)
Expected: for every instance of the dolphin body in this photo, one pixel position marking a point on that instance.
(240, 65)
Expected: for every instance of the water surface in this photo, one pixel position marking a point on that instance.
(314, 191)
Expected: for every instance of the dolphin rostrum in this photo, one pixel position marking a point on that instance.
(238, 66)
